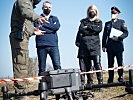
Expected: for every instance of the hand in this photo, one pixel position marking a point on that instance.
(77, 44)
(85, 27)
(42, 19)
(38, 32)
(115, 38)
(104, 49)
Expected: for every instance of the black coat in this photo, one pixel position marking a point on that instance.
(108, 42)
(88, 39)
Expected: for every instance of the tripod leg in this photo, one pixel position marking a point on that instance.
(43, 90)
(4, 89)
(69, 93)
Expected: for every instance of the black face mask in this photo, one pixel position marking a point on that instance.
(35, 2)
(92, 14)
(46, 11)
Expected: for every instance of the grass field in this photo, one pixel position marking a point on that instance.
(111, 93)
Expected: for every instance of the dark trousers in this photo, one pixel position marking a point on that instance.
(97, 66)
(82, 68)
(42, 56)
(119, 57)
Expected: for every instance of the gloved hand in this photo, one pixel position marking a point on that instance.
(104, 49)
(85, 27)
(115, 38)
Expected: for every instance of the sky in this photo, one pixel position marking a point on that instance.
(69, 12)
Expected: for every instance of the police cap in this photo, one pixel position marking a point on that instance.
(115, 8)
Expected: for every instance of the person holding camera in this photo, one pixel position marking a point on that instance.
(88, 41)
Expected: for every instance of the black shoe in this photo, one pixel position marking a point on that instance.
(89, 82)
(100, 83)
(120, 79)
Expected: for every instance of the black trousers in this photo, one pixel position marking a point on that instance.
(119, 56)
(97, 66)
(82, 68)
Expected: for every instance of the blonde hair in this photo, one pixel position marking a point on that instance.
(94, 8)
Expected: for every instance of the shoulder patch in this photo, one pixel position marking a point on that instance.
(124, 25)
(27, 2)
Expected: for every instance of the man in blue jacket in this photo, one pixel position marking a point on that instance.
(114, 44)
(48, 43)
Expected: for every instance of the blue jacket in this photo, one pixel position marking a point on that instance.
(49, 38)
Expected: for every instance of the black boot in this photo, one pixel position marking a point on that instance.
(120, 73)
(100, 82)
(111, 76)
(120, 79)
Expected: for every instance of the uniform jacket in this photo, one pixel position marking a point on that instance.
(49, 38)
(108, 42)
(22, 18)
(88, 39)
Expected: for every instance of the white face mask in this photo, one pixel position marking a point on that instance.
(114, 16)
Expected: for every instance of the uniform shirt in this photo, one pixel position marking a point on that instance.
(49, 38)
(22, 18)
(108, 42)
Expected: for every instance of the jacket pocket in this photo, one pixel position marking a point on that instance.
(20, 32)
(22, 57)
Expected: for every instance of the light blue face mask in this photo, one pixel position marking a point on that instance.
(114, 16)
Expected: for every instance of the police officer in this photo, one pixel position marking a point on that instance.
(114, 45)
(88, 41)
(22, 28)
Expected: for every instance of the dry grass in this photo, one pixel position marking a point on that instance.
(112, 93)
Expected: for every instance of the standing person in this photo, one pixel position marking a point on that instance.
(114, 44)
(48, 43)
(22, 28)
(80, 56)
(89, 43)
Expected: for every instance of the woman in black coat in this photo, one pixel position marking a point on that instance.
(88, 42)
